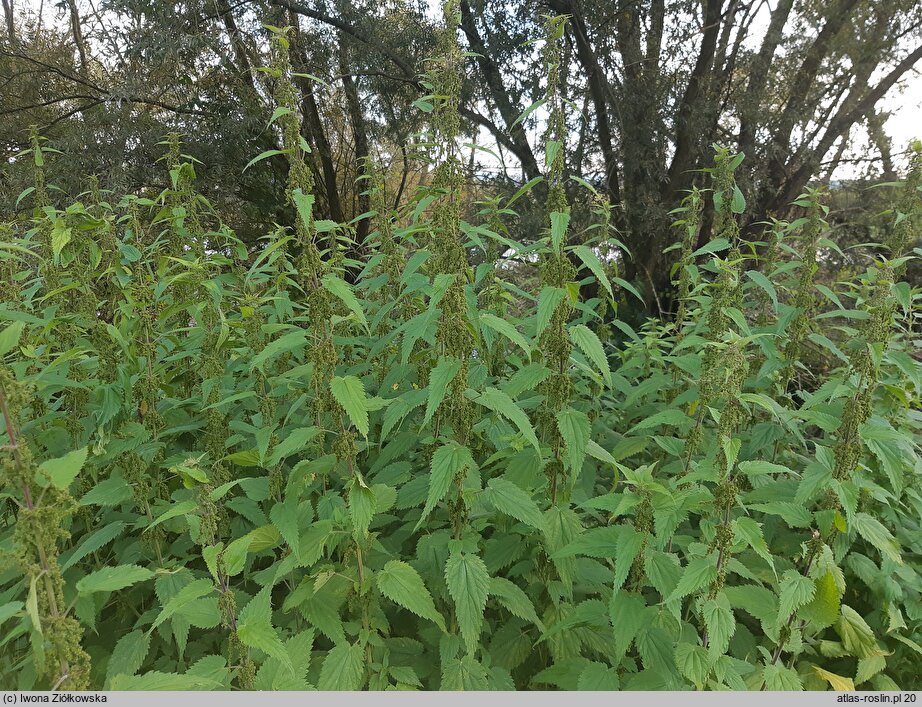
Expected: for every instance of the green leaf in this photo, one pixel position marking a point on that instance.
(508, 330)
(823, 611)
(293, 442)
(628, 613)
(177, 509)
(516, 601)
(589, 344)
(110, 579)
(361, 507)
(778, 678)
(350, 394)
(574, 427)
(875, 533)
(693, 662)
(191, 592)
(448, 462)
(440, 377)
(9, 337)
(513, 501)
(836, 682)
(343, 668)
(61, 472)
(468, 585)
(718, 618)
(672, 417)
(128, 654)
(93, 542)
(795, 591)
(254, 628)
(548, 299)
(157, 681)
(502, 404)
(598, 677)
(747, 529)
(284, 516)
(339, 288)
(264, 155)
(766, 284)
(560, 220)
(400, 583)
(699, 573)
(591, 261)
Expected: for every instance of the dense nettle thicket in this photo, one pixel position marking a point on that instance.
(284, 468)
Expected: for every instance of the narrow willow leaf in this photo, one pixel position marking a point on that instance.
(468, 585)
(402, 584)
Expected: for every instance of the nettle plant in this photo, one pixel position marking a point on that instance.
(245, 470)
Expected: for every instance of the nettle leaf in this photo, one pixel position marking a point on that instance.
(402, 584)
(589, 343)
(591, 261)
(448, 462)
(129, 654)
(836, 682)
(111, 579)
(468, 585)
(189, 593)
(361, 507)
(548, 300)
(795, 591)
(513, 501)
(62, 472)
(575, 429)
(508, 330)
(440, 377)
(699, 573)
(343, 668)
(823, 610)
(502, 404)
(694, 662)
(718, 618)
(349, 392)
(779, 678)
(628, 613)
(284, 516)
(516, 601)
(254, 628)
(875, 533)
(339, 288)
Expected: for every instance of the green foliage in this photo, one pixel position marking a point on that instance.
(279, 470)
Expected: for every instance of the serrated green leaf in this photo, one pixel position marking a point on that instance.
(502, 404)
(508, 330)
(61, 472)
(468, 585)
(440, 377)
(343, 668)
(513, 501)
(350, 394)
(589, 343)
(402, 584)
(111, 579)
(575, 429)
